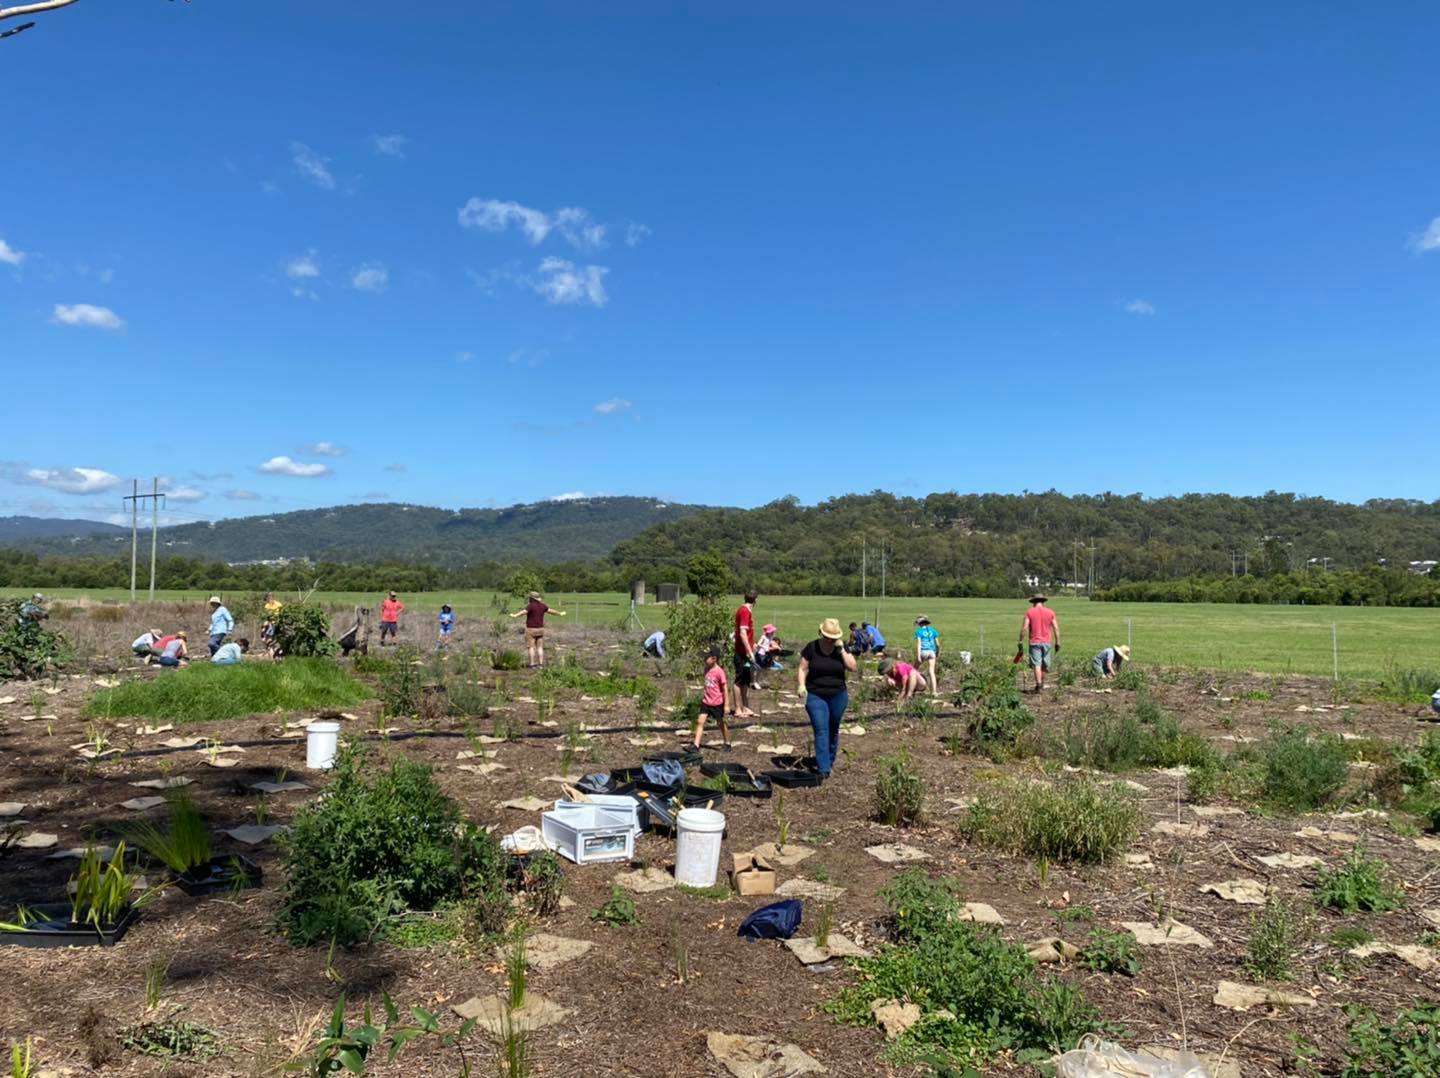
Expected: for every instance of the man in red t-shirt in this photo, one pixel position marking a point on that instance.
(1040, 629)
(745, 655)
(534, 612)
(390, 611)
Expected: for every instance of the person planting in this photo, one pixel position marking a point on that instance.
(712, 703)
(823, 666)
(222, 624)
(927, 650)
(1040, 629)
(902, 678)
(176, 651)
(1107, 664)
(147, 645)
(232, 653)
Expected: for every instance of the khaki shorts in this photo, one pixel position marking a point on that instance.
(534, 634)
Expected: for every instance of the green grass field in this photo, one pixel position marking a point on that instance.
(1269, 639)
(201, 692)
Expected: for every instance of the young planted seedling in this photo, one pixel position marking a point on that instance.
(824, 921)
(186, 844)
(22, 1060)
(681, 954)
(517, 967)
(155, 974)
(782, 825)
(618, 910)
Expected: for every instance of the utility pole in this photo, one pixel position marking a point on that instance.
(135, 499)
(862, 573)
(882, 581)
(1090, 584)
(1233, 556)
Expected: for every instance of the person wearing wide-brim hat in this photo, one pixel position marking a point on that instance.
(927, 649)
(1107, 664)
(823, 666)
(534, 612)
(222, 623)
(1040, 631)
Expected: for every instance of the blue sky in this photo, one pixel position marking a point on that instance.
(465, 254)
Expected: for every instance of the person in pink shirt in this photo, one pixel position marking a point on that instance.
(902, 678)
(712, 704)
(1040, 630)
(390, 611)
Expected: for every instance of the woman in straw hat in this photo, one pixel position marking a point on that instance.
(1107, 664)
(823, 666)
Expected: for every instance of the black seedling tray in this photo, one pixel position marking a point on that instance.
(762, 788)
(697, 797)
(794, 763)
(620, 783)
(712, 768)
(220, 874)
(685, 757)
(55, 929)
(791, 780)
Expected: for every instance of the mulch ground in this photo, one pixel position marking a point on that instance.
(229, 971)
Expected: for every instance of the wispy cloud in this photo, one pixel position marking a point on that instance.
(614, 406)
(324, 449)
(303, 267)
(635, 233)
(85, 314)
(9, 255)
(1140, 307)
(241, 495)
(312, 166)
(568, 496)
(572, 223)
(71, 480)
(185, 493)
(564, 282)
(371, 277)
(389, 145)
(1429, 240)
(285, 466)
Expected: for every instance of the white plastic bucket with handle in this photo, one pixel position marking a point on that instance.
(321, 741)
(697, 846)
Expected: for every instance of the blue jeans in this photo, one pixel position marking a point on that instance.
(825, 715)
(216, 639)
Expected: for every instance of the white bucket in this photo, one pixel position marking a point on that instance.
(321, 741)
(697, 846)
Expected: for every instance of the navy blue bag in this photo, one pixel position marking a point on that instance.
(777, 921)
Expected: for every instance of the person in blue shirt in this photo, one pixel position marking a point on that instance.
(221, 623)
(232, 653)
(654, 645)
(447, 626)
(927, 649)
(859, 640)
(877, 642)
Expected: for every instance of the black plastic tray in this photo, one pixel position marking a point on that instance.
(794, 763)
(220, 874)
(619, 784)
(791, 780)
(685, 757)
(711, 768)
(57, 930)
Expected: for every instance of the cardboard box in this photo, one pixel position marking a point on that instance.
(753, 875)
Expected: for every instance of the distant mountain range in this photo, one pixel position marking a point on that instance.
(579, 529)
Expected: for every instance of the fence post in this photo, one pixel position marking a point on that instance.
(982, 641)
(1335, 647)
(1129, 634)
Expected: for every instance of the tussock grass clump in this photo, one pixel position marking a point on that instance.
(1301, 771)
(1276, 933)
(1109, 741)
(1357, 884)
(1080, 821)
(1408, 686)
(204, 693)
(899, 791)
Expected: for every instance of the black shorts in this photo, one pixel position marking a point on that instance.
(713, 711)
(744, 671)
(387, 628)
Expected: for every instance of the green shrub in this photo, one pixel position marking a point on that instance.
(1276, 933)
(1110, 952)
(372, 665)
(1302, 771)
(186, 844)
(1357, 883)
(996, 999)
(419, 930)
(543, 883)
(1203, 782)
(303, 631)
(28, 649)
(382, 841)
(1080, 821)
(203, 693)
(618, 910)
(1408, 686)
(506, 659)
(899, 791)
(170, 1040)
(998, 718)
(1408, 1047)
(402, 686)
(1130, 679)
(695, 627)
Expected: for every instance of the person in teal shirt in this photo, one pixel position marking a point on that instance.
(927, 649)
(231, 653)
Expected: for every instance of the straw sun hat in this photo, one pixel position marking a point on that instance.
(1123, 650)
(830, 629)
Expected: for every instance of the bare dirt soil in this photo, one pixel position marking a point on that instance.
(230, 971)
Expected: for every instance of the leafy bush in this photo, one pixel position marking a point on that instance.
(999, 717)
(402, 685)
(543, 882)
(1079, 821)
(1203, 782)
(899, 791)
(1276, 933)
(995, 998)
(707, 576)
(1110, 952)
(202, 692)
(1302, 771)
(379, 842)
(1357, 883)
(618, 910)
(28, 649)
(373, 665)
(1408, 1047)
(1130, 679)
(694, 627)
(170, 1040)
(303, 630)
(506, 659)
(1408, 686)
(520, 583)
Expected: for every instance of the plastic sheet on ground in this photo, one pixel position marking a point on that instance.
(1096, 1058)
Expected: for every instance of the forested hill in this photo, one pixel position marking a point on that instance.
(987, 544)
(19, 530)
(581, 529)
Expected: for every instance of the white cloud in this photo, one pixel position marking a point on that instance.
(579, 228)
(186, 494)
(564, 282)
(1140, 306)
(371, 277)
(312, 166)
(388, 145)
(493, 215)
(324, 449)
(9, 255)
(72, 480)
(568, 496)
(635, 233)
(1429, 240)
(303, 267)
(285, 466)
(614, 406)
(241, 495)
(85, 314)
